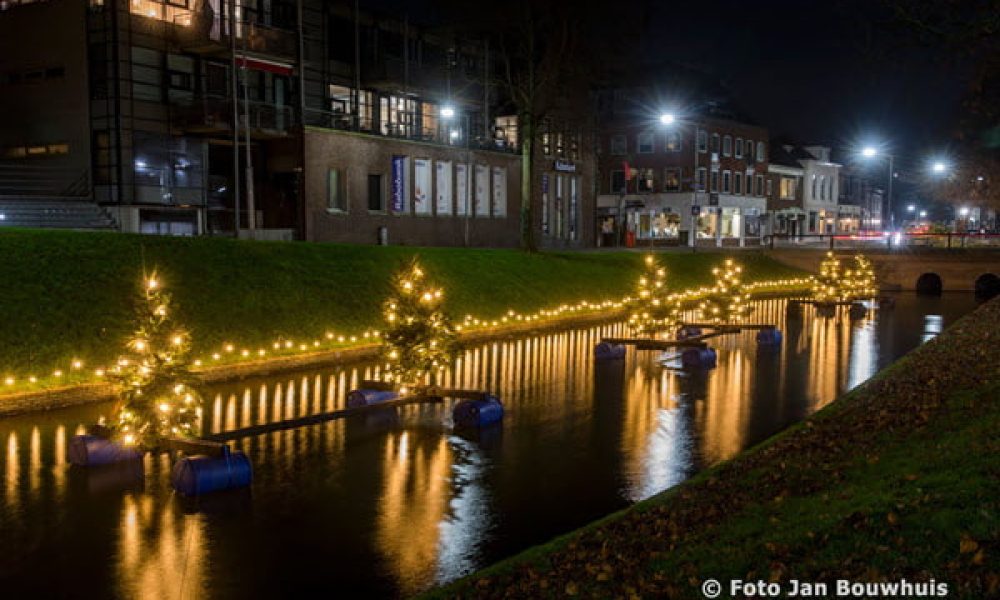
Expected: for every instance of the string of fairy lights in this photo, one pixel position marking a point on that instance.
(229, 353)
(836, 282)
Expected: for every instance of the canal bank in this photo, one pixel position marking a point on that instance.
(895, 480)
(295, 305)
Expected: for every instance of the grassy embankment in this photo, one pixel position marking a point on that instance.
(68, 295)
(897, 479)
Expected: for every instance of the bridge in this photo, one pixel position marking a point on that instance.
(927, 270)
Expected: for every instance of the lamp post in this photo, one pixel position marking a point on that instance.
(447, 114)
(668, 119)
(871, 152)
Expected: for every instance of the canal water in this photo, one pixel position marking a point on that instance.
(390, 505)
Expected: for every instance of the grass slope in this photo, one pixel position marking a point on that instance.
(898, 479)
(69, 294)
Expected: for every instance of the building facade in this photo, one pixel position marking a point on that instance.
(282, 120)
(696, 181)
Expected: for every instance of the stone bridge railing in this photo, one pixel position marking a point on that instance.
(955, 270)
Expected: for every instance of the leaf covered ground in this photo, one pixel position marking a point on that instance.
(898, 479)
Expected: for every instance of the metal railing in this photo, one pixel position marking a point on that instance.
(884, 241)
(345, 121)
(202, 29)
(216, 113)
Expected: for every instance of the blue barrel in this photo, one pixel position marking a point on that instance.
(609, 351)
(198, 475)
(688, 332)
(698, 358)
(478, 413)
(365, 397)
(90, 451)
(769, 337)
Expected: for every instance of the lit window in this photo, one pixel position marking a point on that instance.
(672, 180)
(336, 199)
(672, 143)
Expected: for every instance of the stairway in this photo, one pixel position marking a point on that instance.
(55, 212)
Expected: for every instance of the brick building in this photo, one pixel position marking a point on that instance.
(698, 180)
(293, 120)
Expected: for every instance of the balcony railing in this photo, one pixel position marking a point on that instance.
(346, 121)
(215, 113)
(200, 30)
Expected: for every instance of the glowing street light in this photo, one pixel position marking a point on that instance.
(964, 211)
(870, 152)
(447, 111)
(923, 214)
(911, 208)
(939, 167)
(667, 118)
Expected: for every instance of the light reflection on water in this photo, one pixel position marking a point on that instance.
(387, 504)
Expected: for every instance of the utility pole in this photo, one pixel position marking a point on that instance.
(236, 118)
(251, 208)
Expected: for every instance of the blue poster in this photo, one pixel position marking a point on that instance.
(398, 189)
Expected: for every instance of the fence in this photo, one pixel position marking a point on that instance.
(884, 241)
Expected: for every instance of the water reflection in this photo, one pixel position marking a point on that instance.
(391, 503)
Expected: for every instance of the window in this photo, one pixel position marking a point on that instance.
(739, 147)
(702, 141)
(617, 181)
(376, 197)
(748, 151)
(672, 180)
(336, 197)
(146, 74)
(822, 187)
(715, 181)
(761, 156)
(715, 143)
(619, 144)
(727, 178)
(482, 190)
(812, 196)
(760, 186)
(442, 170)
(645, 182)
(397, 115)
(702, 176)
(645, 143)
(499, 192)
(672, 142)
(546, 144)
(770, 189)
(422, 186)
(727, 145)
(462, 189)
(738, 183)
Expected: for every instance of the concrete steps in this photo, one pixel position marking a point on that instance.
(53, 212)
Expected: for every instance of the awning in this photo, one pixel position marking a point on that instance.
(263, 64)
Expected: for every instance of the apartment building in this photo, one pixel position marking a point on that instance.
(282, 120)
(693, 179)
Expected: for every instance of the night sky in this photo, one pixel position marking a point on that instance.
(833, 73)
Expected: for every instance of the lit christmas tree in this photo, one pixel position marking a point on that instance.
(726, 301)
(156, 394)
(859, 282)
(651, 291)
(418, 340)
(827, 283)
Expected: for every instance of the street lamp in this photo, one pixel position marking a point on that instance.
(911, 208)
(938, 167)
(964, 211)
(871, 152)
(667, 118)
(923, 214)
(447, 114)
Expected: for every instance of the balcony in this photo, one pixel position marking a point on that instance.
(201, 31)
(214, 114)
